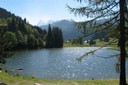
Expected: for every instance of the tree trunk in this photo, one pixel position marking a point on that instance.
(122, 44)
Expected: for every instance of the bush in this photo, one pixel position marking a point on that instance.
(92, 42)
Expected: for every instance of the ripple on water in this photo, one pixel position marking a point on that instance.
(62, 63)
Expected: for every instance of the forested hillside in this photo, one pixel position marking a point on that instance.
(17, 33)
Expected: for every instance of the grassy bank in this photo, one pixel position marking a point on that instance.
(19, 80)
(117, 48)
(97, 44)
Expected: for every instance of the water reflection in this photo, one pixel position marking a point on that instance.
(62, 63)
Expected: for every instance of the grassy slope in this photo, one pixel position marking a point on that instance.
(19, 80)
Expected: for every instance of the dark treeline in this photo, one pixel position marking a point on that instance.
(17, 33)
(54, 37)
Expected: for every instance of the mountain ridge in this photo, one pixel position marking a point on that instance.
(68, 28)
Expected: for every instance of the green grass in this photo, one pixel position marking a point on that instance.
(20, 80)
(98, 44)
(75, 45)
(117, 48)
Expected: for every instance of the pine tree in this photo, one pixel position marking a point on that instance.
(115, 11)
(61, 38)
(58, 40)
(49, 38)
(54, 38)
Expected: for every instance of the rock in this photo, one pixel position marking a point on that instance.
(17, 69)
(37, 84)
(20, 69)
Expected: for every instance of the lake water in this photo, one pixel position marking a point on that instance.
(62, 63)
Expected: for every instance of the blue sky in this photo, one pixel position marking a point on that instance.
(36, 11)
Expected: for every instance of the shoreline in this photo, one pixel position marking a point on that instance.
(21, 80)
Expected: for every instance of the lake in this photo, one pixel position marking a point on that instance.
(62, 63)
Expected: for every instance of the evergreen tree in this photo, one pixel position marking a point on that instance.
(3, 45)
(9, 39)
(21, 40)
(49, 38)
(31, 41)
(22, 27)
(61, 38)
(41, 42)
(12, 25)
(115, 11)
(58, 37)
(54, 38)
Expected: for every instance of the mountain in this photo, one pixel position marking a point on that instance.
(40, 23)
(70, 31)
(68, 28)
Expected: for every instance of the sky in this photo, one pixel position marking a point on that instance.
(41, 11)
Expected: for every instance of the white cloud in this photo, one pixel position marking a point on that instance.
(34, 19)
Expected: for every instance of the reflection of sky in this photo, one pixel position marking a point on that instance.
(62, 64)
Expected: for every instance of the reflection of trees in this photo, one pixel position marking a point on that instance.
(7, 41)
